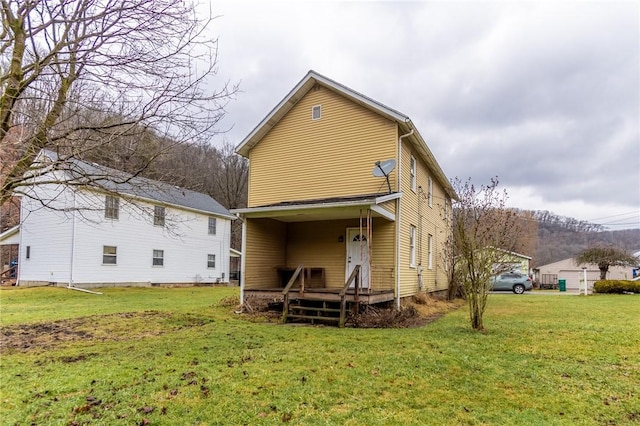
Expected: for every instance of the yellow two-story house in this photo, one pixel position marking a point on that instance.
(339, 182)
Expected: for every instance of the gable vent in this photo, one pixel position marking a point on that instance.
(316, 112)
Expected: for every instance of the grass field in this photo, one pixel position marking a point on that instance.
(180, 356)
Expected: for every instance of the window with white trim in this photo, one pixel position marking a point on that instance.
(430, 194)
(430, 251)
(412, 171)
(109, 255)
(111, 207)
(212, 225)
(211, 261)
(158, 215)
(412, 246)
(316, 112)
(158, 258)
(446, 209)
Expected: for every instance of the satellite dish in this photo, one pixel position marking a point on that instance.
(384, 168)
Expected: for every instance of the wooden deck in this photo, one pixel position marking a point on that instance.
(322, 294)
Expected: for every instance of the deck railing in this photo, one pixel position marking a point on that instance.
(285, 292)
(355, 274)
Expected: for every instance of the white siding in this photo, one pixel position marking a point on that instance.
(48, 232)
(184, 239)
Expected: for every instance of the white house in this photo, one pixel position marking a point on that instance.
(137, 232)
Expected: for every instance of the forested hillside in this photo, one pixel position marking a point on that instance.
(562, 237)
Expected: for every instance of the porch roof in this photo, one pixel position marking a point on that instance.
(323, 209)
(10, 236)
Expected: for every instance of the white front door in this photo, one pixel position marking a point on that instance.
(358, 254)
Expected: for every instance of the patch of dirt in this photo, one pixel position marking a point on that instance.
(46, 335)
(417, 312)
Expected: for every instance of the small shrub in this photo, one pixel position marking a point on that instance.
(617, 286)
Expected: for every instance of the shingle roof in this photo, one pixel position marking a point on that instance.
(120, 182)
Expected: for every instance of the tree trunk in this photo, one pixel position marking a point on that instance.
(603, 272)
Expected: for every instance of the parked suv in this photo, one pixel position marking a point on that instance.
(511, 281)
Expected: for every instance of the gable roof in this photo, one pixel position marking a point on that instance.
(117, 181)
(311, 79)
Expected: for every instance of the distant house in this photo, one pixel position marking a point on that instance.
(339, 182)
(138, 232)
(573, 274)
(515, 262)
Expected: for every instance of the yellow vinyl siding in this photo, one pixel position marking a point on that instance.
(432, 223)
(389, 206)
(317, 244)
(304, 159)
(265, 250)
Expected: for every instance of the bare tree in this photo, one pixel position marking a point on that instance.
(484, 231)
(77, 75)
(606, 257)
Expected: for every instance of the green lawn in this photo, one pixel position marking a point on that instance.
(179, 356)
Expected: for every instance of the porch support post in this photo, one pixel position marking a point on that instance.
(243, 257)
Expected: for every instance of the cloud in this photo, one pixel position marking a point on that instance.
(543, 94)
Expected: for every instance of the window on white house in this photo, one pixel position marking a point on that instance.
(158, 257)
(211, 261)
(430, 195)
(430, 251)
(111, 207)
(28, 252)
(158, 216)
(412, 246)
(413, 170)
(109, 255)
(316, 112)
(212, 226)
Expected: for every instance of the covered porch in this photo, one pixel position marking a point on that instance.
(330, 251)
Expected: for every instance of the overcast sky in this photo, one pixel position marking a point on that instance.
(544, 95)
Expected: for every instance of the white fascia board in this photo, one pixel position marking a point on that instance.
(297, 92)
(388, 197)
(272, 113)
(383, 212)
(395, 115)
(249, 210)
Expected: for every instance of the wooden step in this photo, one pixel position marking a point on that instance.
(311, 317)
(313, 308)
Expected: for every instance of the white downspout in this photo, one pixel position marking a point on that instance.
(73, 241)
(73, 251)
(398, 217)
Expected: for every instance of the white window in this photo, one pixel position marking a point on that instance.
(109, 255)
(412, 246)
(111, 207)
(211, 261)
(158, 216)
(430, 251)
(446, 209)
(316, 112)
(158, 257)
(430, 194)
(212, 226)
(412, 170)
